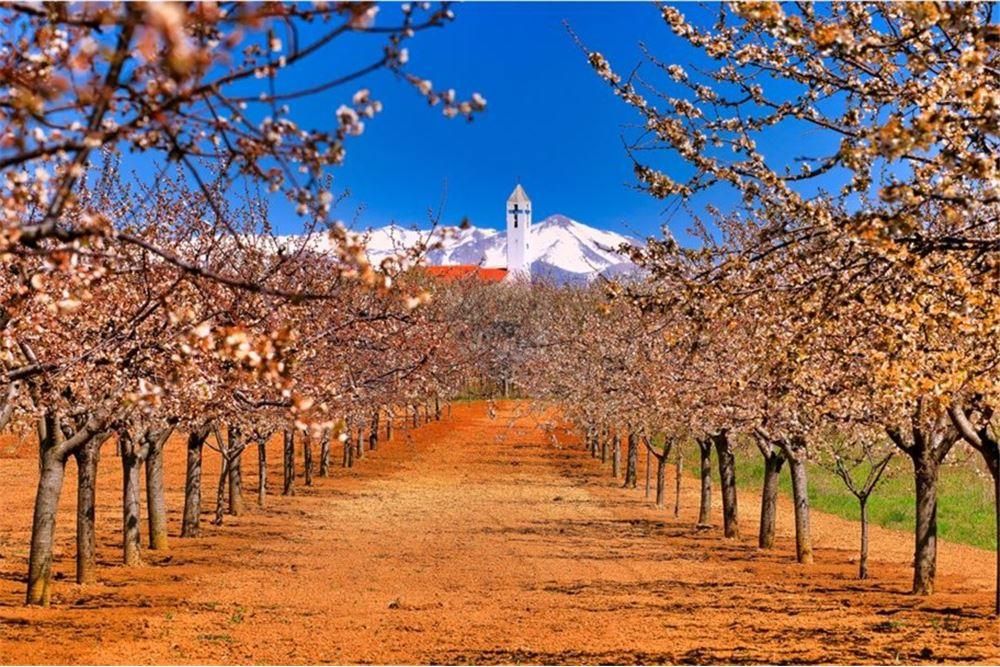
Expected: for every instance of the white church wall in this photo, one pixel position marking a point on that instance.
(518, 232)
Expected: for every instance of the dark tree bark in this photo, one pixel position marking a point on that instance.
(661, 468)
(373, 431)
(87, 459)
(307, 458)
(359, 442)
(416, 416)
(982, 438)
(705, 506)
(156, 504)
(727, 479)
(348, 450)
(220, 491)
(390, 415)
(324, 453)
(632, 462)
(191, 525)
(8, 403)
(862, 492)
(800, 497)
(661, 481)
(996, 513)
(926, 472)
(863, 560)
(616, 456)
(132, 456)
(234, 454)
(50, 482)
(927, 448)
(774, 459)
(262, 470)
(54, 449)
(289, 463)
(604, 447)
(794, 449)
(437, 408)
(648, 468)
(678, 473)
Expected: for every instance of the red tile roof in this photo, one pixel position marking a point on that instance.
(463, 271)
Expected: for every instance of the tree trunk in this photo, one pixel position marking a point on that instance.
(359, 443)
(800, 496)
(324, 453)
(191, 525)
(373, 432)
(927, 447)
(985, 441)
(705, 507)
(53, 452)
(437, 408)
(632, 463)
(769, 498)
(648, 468)
(289, 463)
(727, 478)
(234, 452)
(131, 456)
(925, 547)
(220, 491)
(616, 456)
(661, 480)
(307, 458)
(262, 471)
(416, 416)
(863, 560)
(388, 425)
(156, 504)
(995, 469)
(43, 525)
(604, 449)
(678, 473)
(87, 459)
(348, 450)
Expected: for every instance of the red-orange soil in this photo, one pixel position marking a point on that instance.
(477, 540)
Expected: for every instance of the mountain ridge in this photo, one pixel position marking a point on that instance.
(561, 248)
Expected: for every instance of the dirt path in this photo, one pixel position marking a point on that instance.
(471, 540)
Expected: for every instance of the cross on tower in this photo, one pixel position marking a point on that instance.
(517, 210)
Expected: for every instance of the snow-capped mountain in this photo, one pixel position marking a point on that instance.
(560, 248)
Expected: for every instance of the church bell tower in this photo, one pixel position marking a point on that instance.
(518, 226)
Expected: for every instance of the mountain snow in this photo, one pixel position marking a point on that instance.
(560, 248)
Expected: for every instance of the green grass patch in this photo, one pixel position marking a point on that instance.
(965, 497)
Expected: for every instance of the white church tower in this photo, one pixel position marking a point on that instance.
(518, 226)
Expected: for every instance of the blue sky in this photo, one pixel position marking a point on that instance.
(550, 122)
